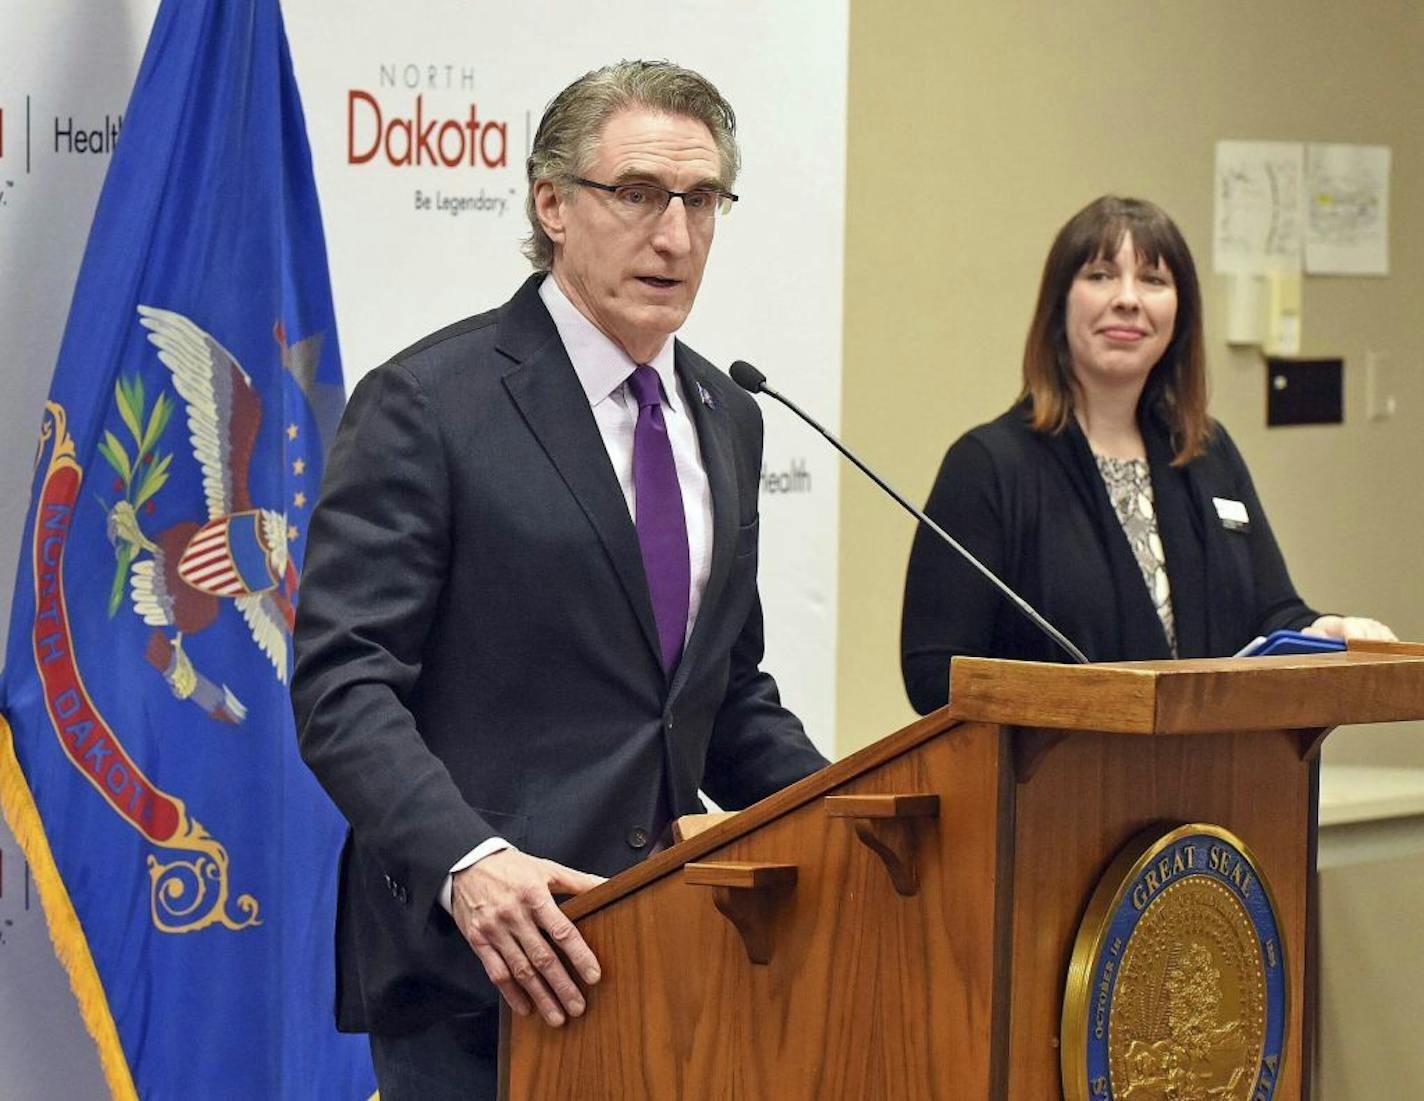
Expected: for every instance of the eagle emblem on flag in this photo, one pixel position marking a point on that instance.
(180, 577)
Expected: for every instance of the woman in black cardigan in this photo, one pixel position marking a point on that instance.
(1107, 497)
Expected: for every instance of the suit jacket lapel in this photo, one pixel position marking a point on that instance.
(547, 392)
(1226, 604)
(716, 447)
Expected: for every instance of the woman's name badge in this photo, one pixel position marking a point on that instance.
(1232, 514)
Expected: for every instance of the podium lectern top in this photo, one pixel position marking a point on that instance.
(1194, 696)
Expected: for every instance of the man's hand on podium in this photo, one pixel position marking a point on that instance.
(504, 907)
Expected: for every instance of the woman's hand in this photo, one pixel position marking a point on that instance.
(1350, 626)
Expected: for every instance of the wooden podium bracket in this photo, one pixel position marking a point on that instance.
(749, 895)
(888, 825)
(1311, 740)
(690, 825)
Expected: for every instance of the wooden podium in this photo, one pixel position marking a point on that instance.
(900, 924)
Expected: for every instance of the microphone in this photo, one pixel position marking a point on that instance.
(754, 382)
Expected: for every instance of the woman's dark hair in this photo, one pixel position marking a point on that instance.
(1176, 388)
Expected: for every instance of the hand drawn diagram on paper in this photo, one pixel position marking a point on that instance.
(1259, 206)
(1347, 209)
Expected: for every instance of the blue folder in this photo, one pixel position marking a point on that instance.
(1291, 642)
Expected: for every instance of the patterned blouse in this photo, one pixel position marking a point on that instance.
(1129, 485)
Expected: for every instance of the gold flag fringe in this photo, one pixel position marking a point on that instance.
(70, 945)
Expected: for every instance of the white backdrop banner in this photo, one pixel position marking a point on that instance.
(420, 117)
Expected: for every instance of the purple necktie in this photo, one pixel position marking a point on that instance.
(662, 528)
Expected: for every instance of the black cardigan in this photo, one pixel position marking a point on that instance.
(1033, 508)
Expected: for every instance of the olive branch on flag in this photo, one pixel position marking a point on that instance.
(142, 476)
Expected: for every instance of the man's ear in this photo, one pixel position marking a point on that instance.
(549, 208)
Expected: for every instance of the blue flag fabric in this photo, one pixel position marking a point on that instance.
(185, 856)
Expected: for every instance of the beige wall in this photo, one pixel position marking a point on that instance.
(977, 128)
(1370, 969)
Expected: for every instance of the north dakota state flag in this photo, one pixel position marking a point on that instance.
(184, 855)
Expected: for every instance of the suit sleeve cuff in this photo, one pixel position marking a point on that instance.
(474, 856)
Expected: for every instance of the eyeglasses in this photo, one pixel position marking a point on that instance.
(639, 201)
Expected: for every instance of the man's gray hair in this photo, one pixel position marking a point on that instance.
(572, 124)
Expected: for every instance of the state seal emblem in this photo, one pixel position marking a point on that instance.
(1176, 989)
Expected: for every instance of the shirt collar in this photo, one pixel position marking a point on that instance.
(601, 366)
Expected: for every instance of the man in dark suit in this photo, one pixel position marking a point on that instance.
(529, 628)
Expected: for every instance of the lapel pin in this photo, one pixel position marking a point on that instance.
(706, 396)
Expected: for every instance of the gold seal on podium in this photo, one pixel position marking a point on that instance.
(1176, 989)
